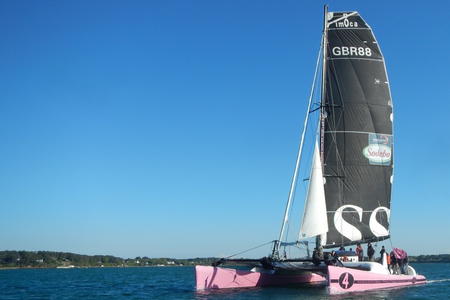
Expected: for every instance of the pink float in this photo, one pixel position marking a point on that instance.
(224, 278)
(345, 280)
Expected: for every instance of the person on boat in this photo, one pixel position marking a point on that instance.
(328, 258)
(332, 259)
(400, 266)
(388, 261)
(405, 265)
(341, 251)
(382, 251)
(394, 265)
(316, 257)
(359, 252)
(370, 251)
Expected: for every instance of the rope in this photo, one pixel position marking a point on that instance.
(256, 247)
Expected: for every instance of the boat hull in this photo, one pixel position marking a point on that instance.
(223, 278)
(345, 280)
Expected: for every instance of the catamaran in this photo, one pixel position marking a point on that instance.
(349, 194)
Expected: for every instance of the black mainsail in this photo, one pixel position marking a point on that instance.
(356, 133)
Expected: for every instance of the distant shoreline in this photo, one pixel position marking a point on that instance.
(51, 259)
(65, 260)
(126, 267)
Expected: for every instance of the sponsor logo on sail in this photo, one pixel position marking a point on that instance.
(379, 150)
(346, 23)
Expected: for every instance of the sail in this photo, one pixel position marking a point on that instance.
(315, 215)
(356, 133)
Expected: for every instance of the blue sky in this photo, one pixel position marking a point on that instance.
(170, 128)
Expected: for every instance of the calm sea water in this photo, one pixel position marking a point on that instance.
(178, 283)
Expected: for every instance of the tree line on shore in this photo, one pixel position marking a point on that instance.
(51, 259)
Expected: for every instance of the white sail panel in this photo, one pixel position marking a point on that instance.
(315, 220)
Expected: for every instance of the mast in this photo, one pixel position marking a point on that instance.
(322, 93)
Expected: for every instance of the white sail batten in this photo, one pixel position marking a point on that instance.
(315, 220)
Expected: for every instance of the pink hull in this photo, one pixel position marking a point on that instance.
(345, 280)
(223, 278)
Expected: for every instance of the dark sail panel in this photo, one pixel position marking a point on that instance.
(357, 134)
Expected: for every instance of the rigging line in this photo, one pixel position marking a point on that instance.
(356, 58)
(338, 157)
(303, 192)
(256, 247)
(309, 153)
(390, 241)
(355, 131)
(288, 224)
(299, 155)
(349, 28)
(333, 122)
